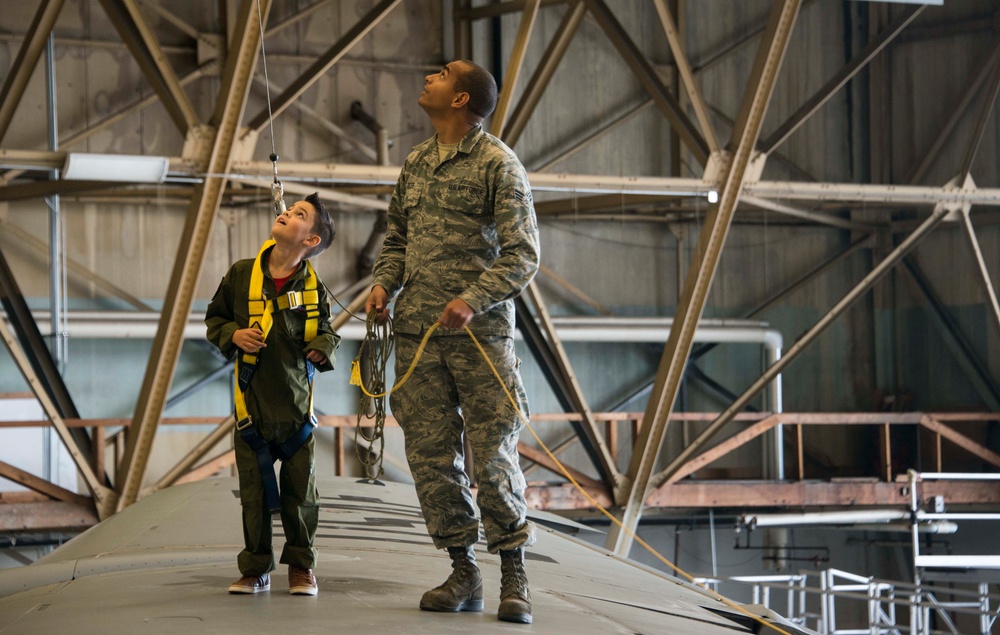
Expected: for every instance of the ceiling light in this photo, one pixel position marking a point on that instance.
(115, 167)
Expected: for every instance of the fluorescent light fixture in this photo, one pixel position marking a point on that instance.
(115, 167)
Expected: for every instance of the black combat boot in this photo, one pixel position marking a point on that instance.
(515, 599)
(463, 590)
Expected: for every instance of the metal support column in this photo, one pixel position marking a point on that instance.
(513, 70)
(543, 74)
(669, 473)
(27, 57)
(704, 265)
(207, 197)
(647, 76)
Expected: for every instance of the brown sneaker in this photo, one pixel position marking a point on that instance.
(301, 581)
(251, 584)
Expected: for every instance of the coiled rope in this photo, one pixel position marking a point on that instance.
(381, 393)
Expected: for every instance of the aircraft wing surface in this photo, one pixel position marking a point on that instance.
(164, 565)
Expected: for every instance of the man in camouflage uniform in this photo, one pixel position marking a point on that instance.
(462, 242)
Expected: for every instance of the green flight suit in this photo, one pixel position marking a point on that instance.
(278, 403)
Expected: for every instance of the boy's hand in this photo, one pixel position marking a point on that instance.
(378, 300)
(316, 357)
(249, 340)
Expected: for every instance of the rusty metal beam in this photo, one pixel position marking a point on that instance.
(323, 64)
(727, 446)
(744, 495)
(138, 37)
(650, 81)
(749, 494)
(48, 516)
(40, 485)
(543, 74)
(703, 269)
(209, 467)
(191, 252)
(541, 458)
(962, 441)
(27, 57)
(513, 70)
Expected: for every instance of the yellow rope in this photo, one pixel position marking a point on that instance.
(356, 380)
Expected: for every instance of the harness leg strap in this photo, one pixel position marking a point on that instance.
(265, 461)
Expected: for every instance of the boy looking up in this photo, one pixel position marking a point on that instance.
(273, 314)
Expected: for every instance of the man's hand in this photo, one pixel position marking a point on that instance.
(378, 300)
(457, 314)
(249, 340)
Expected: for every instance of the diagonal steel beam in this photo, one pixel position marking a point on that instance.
(632, 494)
(555, 358)
(594, 134)
(976, 372)
(543, 74)
(35, 350)
(221, 431)
(605, 461)
(535, 340)
(670, 473)
(139, 38)
(984, 271)
(103, 497)
(206, 69)
(27, 57)
(957, 112)
(687, 76)
(839, 79)
(207, 197)
(323, 64)
(650, 81)
(983, 119)
(513, 70)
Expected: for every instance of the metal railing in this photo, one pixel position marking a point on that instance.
(835, 602)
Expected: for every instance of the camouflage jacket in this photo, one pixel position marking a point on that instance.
(464, 227)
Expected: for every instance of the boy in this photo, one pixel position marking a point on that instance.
(273, 314)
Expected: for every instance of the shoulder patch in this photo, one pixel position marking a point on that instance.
(523, 196)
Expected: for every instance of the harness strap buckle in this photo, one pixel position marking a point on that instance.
(244, 423)
(294, 299)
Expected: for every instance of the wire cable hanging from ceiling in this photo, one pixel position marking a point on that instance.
(277, 191)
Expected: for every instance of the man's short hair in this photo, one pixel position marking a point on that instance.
(322, 225)
(482, 88)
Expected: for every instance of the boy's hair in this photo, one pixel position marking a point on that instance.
(482, 88)
(322, 226)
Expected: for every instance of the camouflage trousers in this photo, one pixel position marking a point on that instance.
(299, 508)
(453, 391)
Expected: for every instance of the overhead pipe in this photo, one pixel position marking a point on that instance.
(143, 325)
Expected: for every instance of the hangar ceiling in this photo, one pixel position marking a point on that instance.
(201, 67)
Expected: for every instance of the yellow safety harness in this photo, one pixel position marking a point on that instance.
(261, 316)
